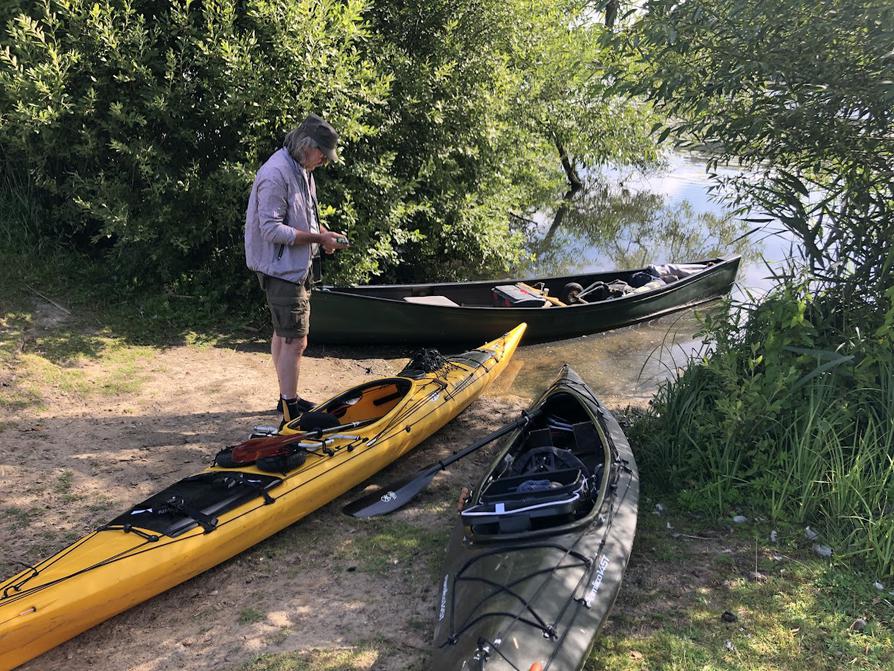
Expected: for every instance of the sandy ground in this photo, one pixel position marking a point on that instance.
(84, 458)
(329, 593)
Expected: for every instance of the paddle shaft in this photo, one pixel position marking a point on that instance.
(491, 437)
(398, 494)
(252, 449)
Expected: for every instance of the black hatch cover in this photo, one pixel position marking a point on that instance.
(195, 501)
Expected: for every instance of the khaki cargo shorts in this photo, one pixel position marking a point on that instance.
(289, 305)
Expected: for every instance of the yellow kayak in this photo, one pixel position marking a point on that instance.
(203, 520)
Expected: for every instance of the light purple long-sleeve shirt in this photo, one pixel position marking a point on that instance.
(282, 201)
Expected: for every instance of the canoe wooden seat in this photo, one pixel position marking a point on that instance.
(432, 300)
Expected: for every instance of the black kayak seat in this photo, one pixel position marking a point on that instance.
(311, 421)
(586, 440)
(510, 489)
(523, 502)
(546, 459)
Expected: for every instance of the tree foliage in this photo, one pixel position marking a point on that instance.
(142, 123)
(138, 125)
(789, 410)
(801, 93)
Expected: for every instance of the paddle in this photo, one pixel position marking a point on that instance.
(400, 493)
(251, 450)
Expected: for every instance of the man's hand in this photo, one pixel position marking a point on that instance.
(331, 241)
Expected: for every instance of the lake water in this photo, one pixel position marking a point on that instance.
(668, 215)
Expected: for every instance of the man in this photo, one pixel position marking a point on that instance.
(283, 235)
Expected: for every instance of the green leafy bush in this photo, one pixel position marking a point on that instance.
(802, 95)
(140, 124)
(790, 411)
(131, 129)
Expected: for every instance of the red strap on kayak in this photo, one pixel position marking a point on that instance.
(249, 451)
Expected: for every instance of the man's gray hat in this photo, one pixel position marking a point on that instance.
(322, 133)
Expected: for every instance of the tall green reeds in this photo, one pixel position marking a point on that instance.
(818, 449)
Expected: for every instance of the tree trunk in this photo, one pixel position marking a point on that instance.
(574, 185)
(574, 182)
(611, 13)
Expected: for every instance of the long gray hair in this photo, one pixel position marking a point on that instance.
(298, 144)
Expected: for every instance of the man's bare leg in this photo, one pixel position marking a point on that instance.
(275, 343)
(287, 362)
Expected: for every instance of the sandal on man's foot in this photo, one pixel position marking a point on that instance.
(303, 404)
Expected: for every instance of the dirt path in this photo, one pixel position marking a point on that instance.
(330, 592)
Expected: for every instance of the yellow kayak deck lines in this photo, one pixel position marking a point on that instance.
(167, 539)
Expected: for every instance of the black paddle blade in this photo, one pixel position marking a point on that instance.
(397, 495)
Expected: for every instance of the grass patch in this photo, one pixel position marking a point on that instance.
(95, 347)
(250, 616)
(799, 615)
(13, 328)
(63, 357)
(345, 659)
(101, 366)
(201, 341)
(389, 544)
(290, 542)
(64, 482)
(278, 637)
(148, 315)
(785, 414)
(15, 516)
(101, 505)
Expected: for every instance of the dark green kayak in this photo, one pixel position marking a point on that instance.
(472, 312)
(536, 559)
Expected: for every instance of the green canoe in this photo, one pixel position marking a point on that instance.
(464, 312)
(536, 559)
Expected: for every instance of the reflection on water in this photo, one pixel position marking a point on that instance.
(615, 227)
(618, 228)
(627, 220)
(623, 367)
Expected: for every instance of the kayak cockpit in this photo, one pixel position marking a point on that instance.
(549, 477)
(368, 401)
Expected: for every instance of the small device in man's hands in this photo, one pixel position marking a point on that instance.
(342, 240)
